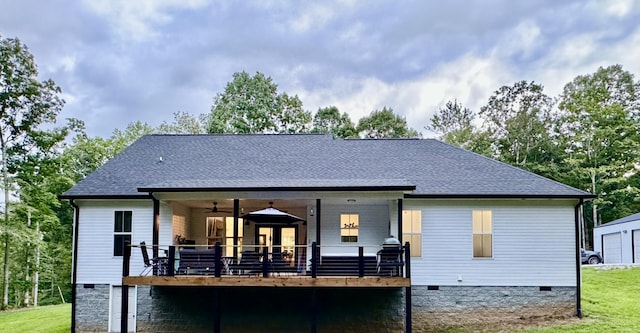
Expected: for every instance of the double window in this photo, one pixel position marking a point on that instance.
(121, 231)
(482, 234)
(412, 230)
(349, 224)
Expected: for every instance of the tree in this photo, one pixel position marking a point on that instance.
(253, 105)
(184, 123)
(385, 124)
(86, 154)
(518, 119)
(290, 117)
(329, 120)
(453, 124)
(25, 105)
(122, 139)
(601, 117)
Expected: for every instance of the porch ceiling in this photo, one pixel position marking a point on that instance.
(227, 204)
(281, 204)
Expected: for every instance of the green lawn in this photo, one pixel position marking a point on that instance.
(610, 303)
(44, 319)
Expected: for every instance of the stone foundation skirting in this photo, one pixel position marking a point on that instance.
(486, 306)
(92, 308)
(354, 310)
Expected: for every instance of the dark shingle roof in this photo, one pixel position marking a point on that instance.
(632, 217)
(310, 161)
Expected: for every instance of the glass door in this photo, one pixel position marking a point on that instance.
(288, 242)
(279, 240)
(265, 239)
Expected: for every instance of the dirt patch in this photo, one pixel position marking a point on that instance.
(492, 320)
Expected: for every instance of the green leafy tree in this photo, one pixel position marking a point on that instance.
(329, 120)
(385, 124)
(290, 117)
(454, 125)
(122, 139)
(252, 104)
(601, 127)
(86, 154)
(26, 105)
(47, 236)
(518, 120)
(185, 123)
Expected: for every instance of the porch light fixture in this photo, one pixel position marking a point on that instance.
(311, 211)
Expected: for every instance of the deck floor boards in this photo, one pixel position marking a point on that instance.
(258, 281)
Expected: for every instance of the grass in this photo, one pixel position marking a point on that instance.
(610, 303)
(44, 319)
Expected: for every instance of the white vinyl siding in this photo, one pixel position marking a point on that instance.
(96, 262)
(372, 230)
(533, 243)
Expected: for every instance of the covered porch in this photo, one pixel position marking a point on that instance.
(338, 243)
(347, 228)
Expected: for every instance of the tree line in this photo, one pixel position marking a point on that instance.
(588, 137)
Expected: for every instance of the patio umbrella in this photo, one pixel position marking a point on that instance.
(271, 215)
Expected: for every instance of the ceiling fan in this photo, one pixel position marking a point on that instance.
(215, 209)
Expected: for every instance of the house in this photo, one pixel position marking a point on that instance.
(619, 241)
(475, 234)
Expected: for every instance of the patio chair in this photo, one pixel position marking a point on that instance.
(151, 263)
(249, 263)
(278, 264)
(198, 262)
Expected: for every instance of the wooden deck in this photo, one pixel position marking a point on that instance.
(278, 281)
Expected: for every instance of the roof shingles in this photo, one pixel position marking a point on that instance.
(211, 161)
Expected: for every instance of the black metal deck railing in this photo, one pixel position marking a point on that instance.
(271, 261)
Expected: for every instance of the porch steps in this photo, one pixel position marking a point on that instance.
(345, 266)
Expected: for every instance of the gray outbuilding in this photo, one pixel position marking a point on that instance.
(619, 241)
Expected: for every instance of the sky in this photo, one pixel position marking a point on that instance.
(119, 61)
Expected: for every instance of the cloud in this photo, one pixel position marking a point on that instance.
(314, 17)
(469, 79)
(620, 8)
(136, 19)
(523, 41)
(120, 61)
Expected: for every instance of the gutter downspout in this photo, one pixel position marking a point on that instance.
(578, 260)
(74, 272)
(156, 225)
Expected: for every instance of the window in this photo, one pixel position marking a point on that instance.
(215, 230)
(482, 234)
(349, 228)
(220, 229)
(412, 230)
(121, 231)
(229, 235)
